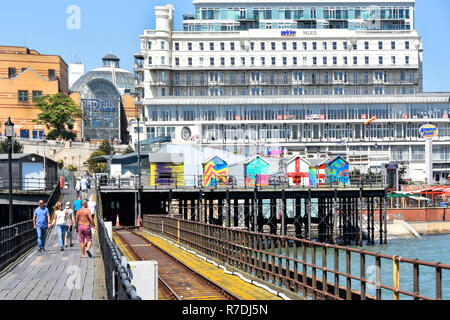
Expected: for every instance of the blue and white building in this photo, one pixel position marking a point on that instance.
(294, 74)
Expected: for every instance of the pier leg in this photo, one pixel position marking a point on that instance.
(273, 217)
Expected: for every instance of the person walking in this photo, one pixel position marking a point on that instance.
(77, 205)
(92, 205)
(70, 216)
(41, 222)
(83, 225)
(61, 221)
(78, 187)
(84, 188)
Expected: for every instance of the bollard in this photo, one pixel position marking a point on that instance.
(396, 273)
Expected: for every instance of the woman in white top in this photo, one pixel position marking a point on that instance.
(61, 220)
(70, 216)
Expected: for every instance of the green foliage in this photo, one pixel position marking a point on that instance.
(17, 146)
(60, 164)
(58, 113)
(128, 150)
(106, 147)
(72, 168)
(96, 167)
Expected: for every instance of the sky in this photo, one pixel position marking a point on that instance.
(107, 26)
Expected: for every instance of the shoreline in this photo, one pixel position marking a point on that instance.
(400, 229)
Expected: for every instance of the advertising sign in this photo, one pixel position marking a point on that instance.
(428, 131)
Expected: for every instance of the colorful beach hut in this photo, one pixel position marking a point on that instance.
(306, 172)
(215, 172)
(256, 172)
(166, 169)
(338, 171)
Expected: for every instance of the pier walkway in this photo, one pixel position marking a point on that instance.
(55, 274)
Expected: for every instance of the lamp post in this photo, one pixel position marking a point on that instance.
(9, 128)
(44, 140)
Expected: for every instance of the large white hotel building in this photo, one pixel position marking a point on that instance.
(303, 76)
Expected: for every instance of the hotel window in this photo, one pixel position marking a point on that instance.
(190, 61)
(313, 13)
(36, 95)
(403, 90)
(222, 61)
(163, 92)
(201, 61)
(355, 46)
(314, 60)
(284, 45)
(272, 78)
(243, 78)
(163, 60)
(263, 46)
(366, 58)
(12, 72)
(294, 61)
(273, 44)
(222, 46)
(232, 61)
(243, 61)
(286, 78)
(190, 46)
(345, 60)
(305, 60)
(211, 61)
(284, 61)
(252, 61)
(366, 45)
(149, 45)
(411, 90)
(324, 44)
(177, 61)
(325, 60)
(263, 61)
(355, 60)
(325, 78)
(366, 78)
(411, 76)
(345, 45)
(294, 45)
(150, 60)
(211, 46)
(202, 46)
(23, 96)
(406, 59)
(163, 45)
(403, 76)
(252, 46)
(335, 60)
(51, 74)
(273, 61)
(232, 46)
(407, 45)
(305, 46)
(380, 45)
(314, 44)
(177, 46)
(394, 60)
(393, 45)
(355, 77)
(334, 45)
(202, 79)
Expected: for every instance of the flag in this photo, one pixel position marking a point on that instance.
(371, 120)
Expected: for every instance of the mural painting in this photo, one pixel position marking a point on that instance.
(215, 173)
(339, 171)
(257, 172)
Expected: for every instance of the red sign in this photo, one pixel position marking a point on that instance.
(364, 116)
(445, 115)
(405, 116)
(322, 117)
(237, 118)
(280, 117)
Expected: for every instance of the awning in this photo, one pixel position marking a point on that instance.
(420, 198)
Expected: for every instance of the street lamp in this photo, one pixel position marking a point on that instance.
(9, 131)
(44, 140)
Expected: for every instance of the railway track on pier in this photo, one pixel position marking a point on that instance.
(177, 281)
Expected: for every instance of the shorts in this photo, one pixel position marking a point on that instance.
(84, 233)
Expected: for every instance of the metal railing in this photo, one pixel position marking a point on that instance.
(118, 282)
(167, 182)
(315, 270)
(15, 240)
(28, 184)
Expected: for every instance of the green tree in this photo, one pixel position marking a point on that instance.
(106, 147)
(128, 150)
(60, 164)
(94, 166)
(58, 113)
(16, 146)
